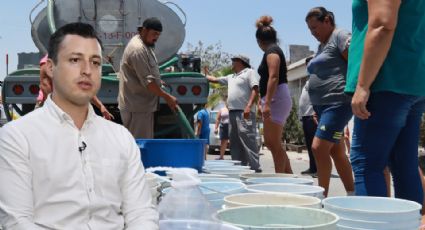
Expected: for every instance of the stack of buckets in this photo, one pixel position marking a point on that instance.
(263, 207)
(381, 213)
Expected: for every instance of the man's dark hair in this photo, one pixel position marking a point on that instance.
(152, 24)
(76, 28)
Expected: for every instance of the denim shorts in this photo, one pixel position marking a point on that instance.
(332, 120)
(224, 131)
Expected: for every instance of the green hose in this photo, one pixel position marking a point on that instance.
(171, 62)
(186, 127)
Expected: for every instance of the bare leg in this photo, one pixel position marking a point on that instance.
(343, 166)
(206, 151)
(223, 147)
(273, 141)
(321, 150)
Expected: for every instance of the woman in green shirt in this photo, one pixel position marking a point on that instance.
(386, 74)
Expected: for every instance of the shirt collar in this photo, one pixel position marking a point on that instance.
(242, 71)
(62, 116)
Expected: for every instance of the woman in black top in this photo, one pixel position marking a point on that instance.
(275, 98)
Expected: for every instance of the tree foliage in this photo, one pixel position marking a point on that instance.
(293, 132)
(211, 55)
(218, 63)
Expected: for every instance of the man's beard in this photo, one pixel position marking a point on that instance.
(151, 45)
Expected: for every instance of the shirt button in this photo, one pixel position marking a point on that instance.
(90, 190)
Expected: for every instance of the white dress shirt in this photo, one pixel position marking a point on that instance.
(46, 182)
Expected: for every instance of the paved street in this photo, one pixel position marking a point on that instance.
(299, 162)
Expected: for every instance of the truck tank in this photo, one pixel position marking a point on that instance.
(115, 21)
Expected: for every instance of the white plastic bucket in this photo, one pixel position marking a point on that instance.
(218, 163)
(218, 190)
(220, 179)
(207, 175)
(219, 167)
(271, 199)
(375, 212)
(308, 190)
(279, 180)
(266, 175)
(235, 162)
(394, 225)
(230, 172)
(278, 218)
(194, 225)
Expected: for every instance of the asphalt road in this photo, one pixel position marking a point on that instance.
(299, 163)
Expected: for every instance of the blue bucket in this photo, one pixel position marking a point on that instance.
(176, 153)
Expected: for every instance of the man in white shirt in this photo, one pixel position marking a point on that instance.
(242, 91)
(62, 166)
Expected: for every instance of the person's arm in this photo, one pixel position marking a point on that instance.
(148, 74)
(105, 113)
(198, 128)
(212, 79)
(171, 100)
(273, 62)
(137, 208)
(16, 194)
(198, 124)
(217, 122)
(382, 22)
(251, 102)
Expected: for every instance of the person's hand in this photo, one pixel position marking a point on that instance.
(206, 70)
(216, 131)
(359, 101)
(171, 101)
(266, 111)
(106, 114)
(246, 113)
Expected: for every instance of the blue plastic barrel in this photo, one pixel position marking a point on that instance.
(177, 153)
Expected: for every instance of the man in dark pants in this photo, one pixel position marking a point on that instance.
(242, 91)
(309, 123)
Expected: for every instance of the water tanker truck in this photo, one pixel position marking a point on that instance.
(116, 23)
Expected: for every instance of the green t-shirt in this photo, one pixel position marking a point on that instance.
(403, 70)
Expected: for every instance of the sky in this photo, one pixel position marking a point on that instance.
(230, 22)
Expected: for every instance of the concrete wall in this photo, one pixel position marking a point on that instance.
(298, 52)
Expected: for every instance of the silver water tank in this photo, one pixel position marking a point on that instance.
(116, 23)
